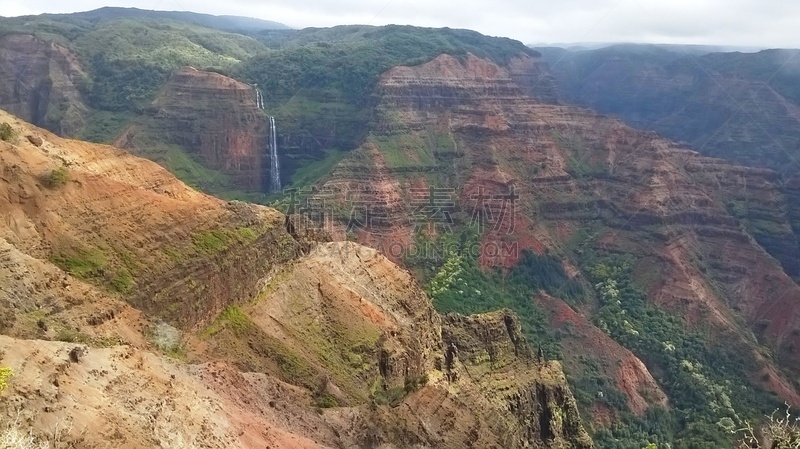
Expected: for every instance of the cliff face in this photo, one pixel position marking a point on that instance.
(348, 324)
(468, 130)
(212, 118)
(737, 106)
(165, 242)
(278, 342)
(39, 82)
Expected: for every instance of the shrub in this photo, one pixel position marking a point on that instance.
(168, 339)
(57, 178)
(5, 375)
(782, 431)
(7, 133)
(325, 400)
(12, 437)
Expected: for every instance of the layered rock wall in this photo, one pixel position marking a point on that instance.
(40, 82)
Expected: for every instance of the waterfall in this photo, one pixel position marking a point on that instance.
(259, 100)
(275, 184)
(275, 169)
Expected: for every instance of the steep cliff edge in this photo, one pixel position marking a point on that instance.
(214, 120)
(345, 322)
(130, 227)
(40, 82)
(271, 341)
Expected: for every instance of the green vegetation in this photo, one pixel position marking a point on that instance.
(80, 261)
(579, 164)
(317, 82)
(233, 318)
(309, 173)
(211, 241)
(456, 283)
(291, 368)
(216, 240)
(71, 335)
(5, 376)
(342, 66)
(591, 386)
(706, 382)
(155, 146)
(7, 133)
(57, 178)
(130, 59)
(106, 126)
(404, 150)
(92, 264)
(325, 400)
(390, 396)
(122, 281)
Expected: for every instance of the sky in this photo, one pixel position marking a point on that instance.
(750, 23)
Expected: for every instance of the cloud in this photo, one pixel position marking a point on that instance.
(763, 23)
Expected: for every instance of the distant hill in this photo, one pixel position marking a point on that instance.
(743, 107)
(225, 23)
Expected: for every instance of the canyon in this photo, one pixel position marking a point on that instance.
(583, 183)
(662, 261)
(138, 312)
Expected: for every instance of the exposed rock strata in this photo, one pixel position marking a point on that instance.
(40, 82)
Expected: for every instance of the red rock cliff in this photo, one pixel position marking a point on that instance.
(467, 127)
(215, 120)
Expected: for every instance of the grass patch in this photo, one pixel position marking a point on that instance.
(216, 240)
(404, 150)
(211, 241)
(122, 281)
(81, 262)
(231, 317)
(71, 335)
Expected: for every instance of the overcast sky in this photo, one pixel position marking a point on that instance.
(757, 23)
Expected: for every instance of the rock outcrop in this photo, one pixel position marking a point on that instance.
(40, 82)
